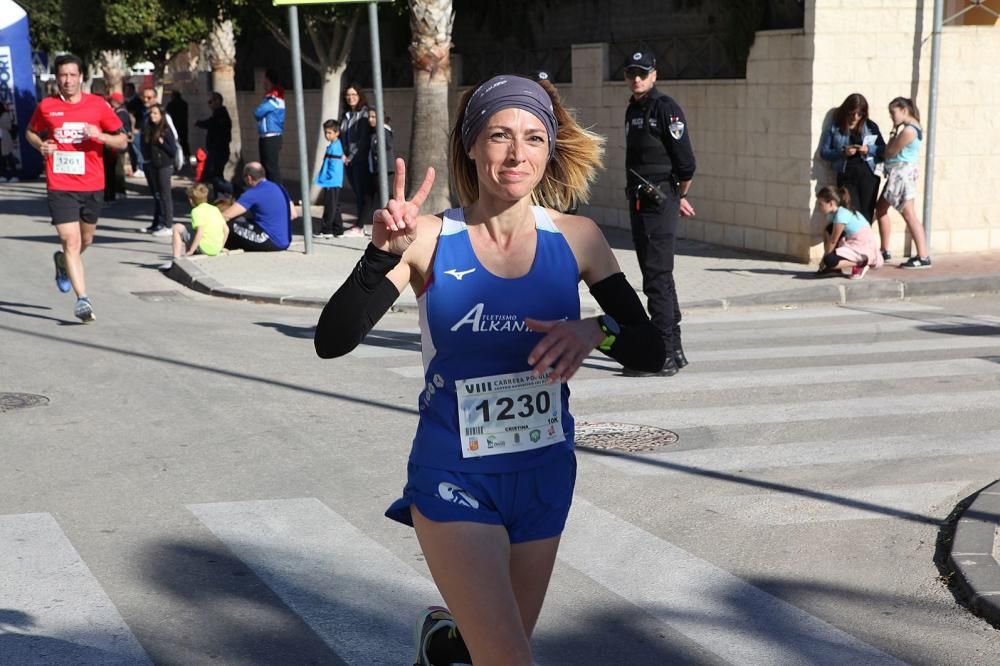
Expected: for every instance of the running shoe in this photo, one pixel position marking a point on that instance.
(162, 231)
(62, 277)
(886, 255)
(438, 641)
(354, 232)
(916, 262)
(84, 311)
(859, 272)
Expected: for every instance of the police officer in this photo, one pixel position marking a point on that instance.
(659, 165)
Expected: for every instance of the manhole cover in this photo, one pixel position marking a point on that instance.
(622, 436)
(160, 296)
(12, 401)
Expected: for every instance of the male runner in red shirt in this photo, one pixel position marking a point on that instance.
(70, 130)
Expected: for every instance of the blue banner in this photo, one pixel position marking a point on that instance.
(17, 87)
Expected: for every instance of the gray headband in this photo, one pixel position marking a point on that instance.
(507, 92)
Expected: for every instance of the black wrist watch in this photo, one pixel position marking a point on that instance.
(611, 331)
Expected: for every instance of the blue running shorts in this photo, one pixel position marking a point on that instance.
(531, 504)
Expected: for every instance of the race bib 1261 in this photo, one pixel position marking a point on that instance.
(508, 413)
(70, 162)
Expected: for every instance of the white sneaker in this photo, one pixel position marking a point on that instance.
(167, 266)
(163, 231)
(138, 174)
(13, 179)
(354, 232)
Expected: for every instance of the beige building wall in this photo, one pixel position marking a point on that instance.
(751, 138)
(756, 139)
(855, 52)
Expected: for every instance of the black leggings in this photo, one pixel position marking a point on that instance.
(158, 179)
(862, 185)
(270, 156)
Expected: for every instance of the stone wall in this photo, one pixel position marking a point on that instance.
(756, 139)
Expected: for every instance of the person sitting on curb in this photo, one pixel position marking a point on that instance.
(849, 242)
(271, 208)
(205, 234)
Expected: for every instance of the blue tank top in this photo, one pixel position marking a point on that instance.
(472, 325)
(911, 151)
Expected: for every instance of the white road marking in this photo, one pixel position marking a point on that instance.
(664, 416)
(712, 607)
(52, 608)
(851, 350)
(701, 317)
(775, 508)
(685, 382)
(360, 598)
(846, 451)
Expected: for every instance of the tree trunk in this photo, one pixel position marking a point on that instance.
(222, 58)
(113, 69)
(430, 24)
(329, 110)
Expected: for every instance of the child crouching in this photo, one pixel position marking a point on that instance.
(849, 240)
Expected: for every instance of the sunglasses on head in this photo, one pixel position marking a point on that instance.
(632, 72)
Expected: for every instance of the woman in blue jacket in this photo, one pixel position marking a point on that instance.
(853, 145)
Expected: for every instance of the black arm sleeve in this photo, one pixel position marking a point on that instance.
(640, 345)
(357, 306)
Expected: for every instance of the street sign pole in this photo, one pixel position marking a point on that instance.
(300, 120)
(932, 121)
(293, 34)
(383, 178)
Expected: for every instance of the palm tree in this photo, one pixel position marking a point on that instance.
(430, 49)
(113, 69)
(222, 59)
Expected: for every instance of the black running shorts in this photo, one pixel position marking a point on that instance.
(68, 207)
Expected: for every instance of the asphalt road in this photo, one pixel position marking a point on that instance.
(200, 488)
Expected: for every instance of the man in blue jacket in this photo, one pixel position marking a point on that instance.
(270, 115)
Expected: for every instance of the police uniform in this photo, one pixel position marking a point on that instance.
(657, 148)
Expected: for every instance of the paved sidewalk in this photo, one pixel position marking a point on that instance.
(707, 276)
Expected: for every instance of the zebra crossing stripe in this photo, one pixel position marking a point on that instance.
(52, 608)
(789, 509)
(846, 451)
(359, 598)
(686, 382)
(858, 330)
(726, 615)
(851, 349)
(664, 416)
(697, 318)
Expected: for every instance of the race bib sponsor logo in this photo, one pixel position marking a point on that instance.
(71, 133)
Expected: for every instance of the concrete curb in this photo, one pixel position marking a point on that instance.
(975, 549)
(191, 275)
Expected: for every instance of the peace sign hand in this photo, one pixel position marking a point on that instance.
(394, 227)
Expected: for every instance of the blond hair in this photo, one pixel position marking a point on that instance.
(568, 175)
(197, 194)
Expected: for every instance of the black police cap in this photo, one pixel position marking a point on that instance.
(642, 59)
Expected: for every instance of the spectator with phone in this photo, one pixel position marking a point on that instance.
(854, 147)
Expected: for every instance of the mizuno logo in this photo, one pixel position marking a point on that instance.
(457, 274)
